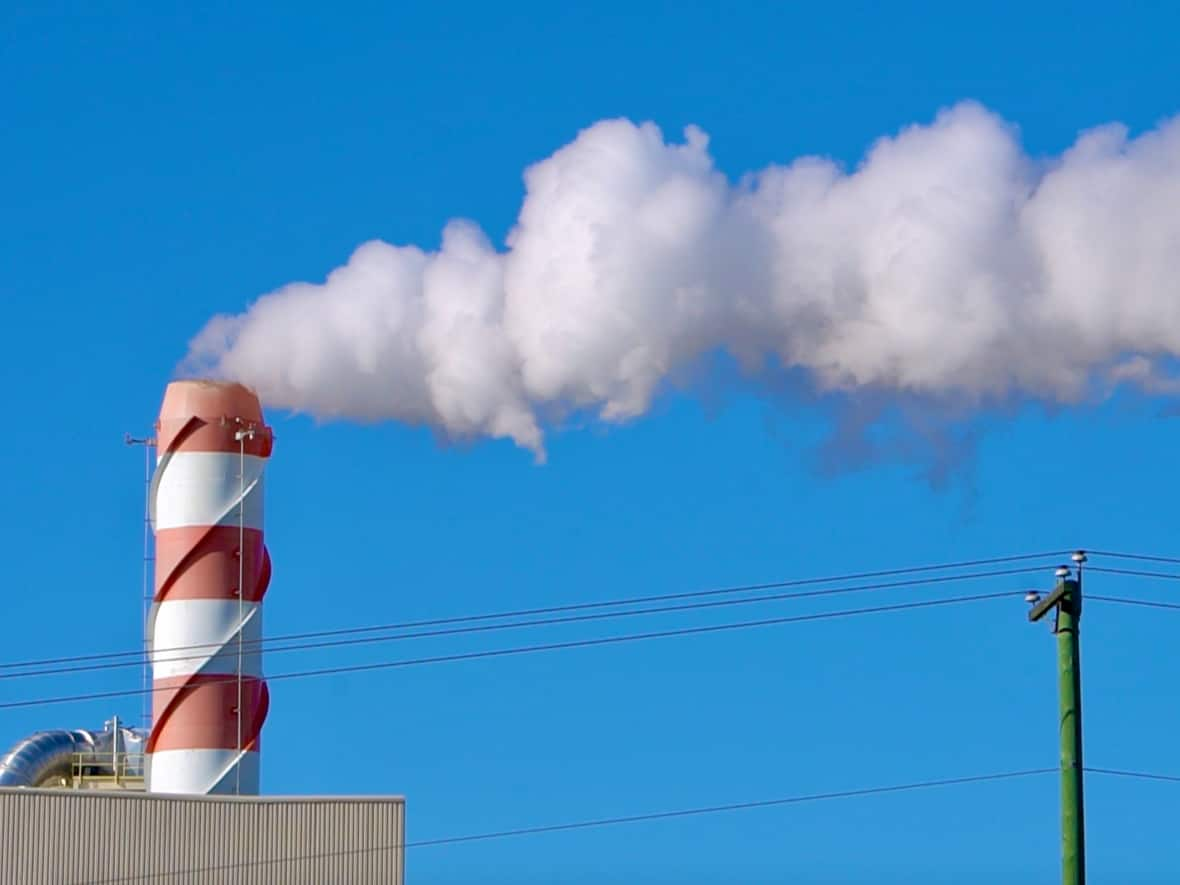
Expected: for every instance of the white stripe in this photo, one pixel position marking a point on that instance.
(202, 772)
(212, 625)
(202, 488)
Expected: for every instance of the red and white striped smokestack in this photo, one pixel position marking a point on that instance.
(209, 699)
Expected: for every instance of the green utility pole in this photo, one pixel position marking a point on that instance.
(1066, 602)
(1069, 676)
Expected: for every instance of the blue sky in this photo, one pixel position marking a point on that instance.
(164, 163)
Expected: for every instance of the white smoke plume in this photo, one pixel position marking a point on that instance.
(948, 266)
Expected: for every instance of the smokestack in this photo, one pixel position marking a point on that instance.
(212, 571)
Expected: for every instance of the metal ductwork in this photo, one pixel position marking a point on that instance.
(71, 757)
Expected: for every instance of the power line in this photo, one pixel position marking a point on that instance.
(606, 822)
(648, 817)
(139, 658)
(139, 655)
(635, 600)
(1123, 600)
(1143, 557)
(1141, 775)
(719, 809)
(531, 649)
(1135, 573)
(167, 657)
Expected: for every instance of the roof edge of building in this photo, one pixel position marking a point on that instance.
(184, 797)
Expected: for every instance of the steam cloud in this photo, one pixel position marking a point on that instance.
(949, 266)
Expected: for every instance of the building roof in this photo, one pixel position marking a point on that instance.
(93, 836)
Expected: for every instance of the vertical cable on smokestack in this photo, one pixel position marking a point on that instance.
(145, 597)
(212, 571)
(146, 594)
(241, 582)
(145, 601)
(241, 436)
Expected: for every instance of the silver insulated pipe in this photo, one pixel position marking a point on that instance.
(56, 758)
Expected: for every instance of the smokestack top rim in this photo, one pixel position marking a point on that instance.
(210, 398)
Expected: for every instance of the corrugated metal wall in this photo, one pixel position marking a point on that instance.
(84, 836)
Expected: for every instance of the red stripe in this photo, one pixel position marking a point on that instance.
(213, 434)
(201, 562)
(200, 713)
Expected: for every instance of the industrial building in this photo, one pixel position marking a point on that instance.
(93, 836)
(177, 799)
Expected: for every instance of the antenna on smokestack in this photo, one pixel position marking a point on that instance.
(149, 444)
